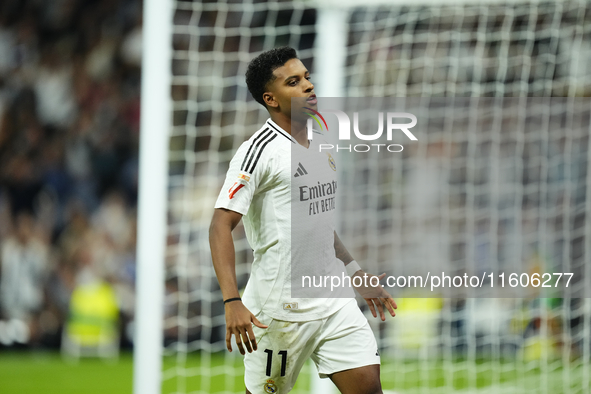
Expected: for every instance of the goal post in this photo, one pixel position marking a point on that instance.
(152, 205)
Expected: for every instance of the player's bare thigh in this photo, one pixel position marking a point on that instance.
(362, 380)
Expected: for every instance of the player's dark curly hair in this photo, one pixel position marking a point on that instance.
(260, 70)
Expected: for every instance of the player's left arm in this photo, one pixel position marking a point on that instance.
(374, 296)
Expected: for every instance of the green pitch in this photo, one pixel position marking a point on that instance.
(36, 372)
(42, 372)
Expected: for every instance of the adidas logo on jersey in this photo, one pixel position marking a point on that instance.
(301, 171)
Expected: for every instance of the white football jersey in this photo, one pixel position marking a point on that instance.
(286, 194)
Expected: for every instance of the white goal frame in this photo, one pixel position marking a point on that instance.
(155, 124)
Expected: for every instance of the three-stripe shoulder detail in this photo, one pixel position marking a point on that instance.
(289, 137)
(255, 150)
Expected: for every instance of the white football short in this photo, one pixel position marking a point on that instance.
(336, 343)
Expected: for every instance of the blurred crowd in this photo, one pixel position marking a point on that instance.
(69, 130)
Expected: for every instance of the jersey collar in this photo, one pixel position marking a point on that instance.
(278, 129)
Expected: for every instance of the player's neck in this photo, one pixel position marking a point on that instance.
(296, 129)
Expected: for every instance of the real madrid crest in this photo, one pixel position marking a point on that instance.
(331, 162)
(270, 386)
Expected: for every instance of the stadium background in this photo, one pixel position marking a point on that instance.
(69, 130)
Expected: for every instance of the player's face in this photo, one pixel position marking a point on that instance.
(291, 80)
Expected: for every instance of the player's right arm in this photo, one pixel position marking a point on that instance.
(239, 320)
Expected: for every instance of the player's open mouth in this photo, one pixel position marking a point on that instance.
(312, 99)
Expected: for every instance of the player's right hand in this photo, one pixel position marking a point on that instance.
(239, 323)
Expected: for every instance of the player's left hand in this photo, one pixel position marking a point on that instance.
(376, 297)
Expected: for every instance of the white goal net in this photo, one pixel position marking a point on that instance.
(442, 193)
